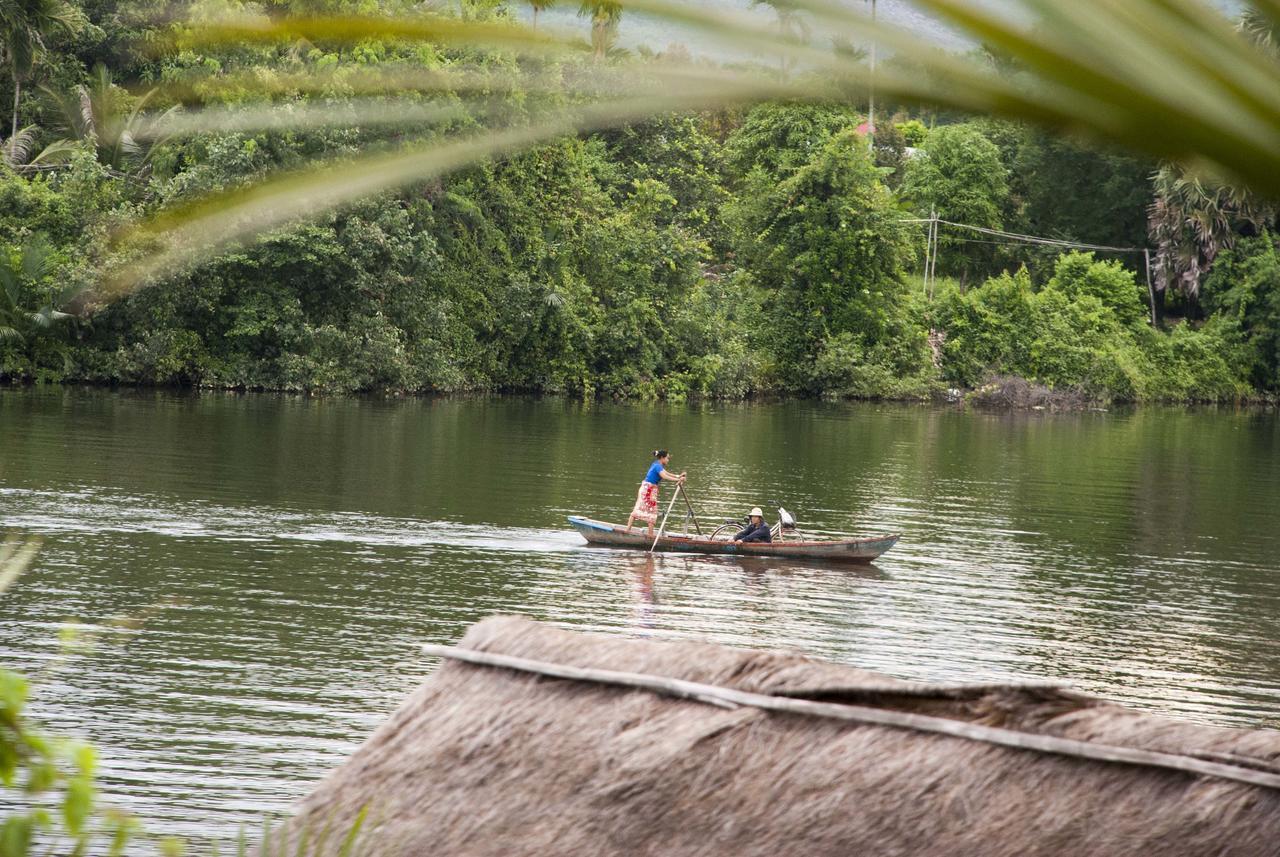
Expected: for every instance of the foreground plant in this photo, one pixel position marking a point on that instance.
(49, 799)
(47, 782)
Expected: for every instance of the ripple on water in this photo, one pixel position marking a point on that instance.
(293, 580)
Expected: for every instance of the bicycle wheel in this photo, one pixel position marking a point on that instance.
(727, 530)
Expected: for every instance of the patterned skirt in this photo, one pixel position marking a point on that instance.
(646, 503)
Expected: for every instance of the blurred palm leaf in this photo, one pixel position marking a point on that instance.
(16, 557)
(1171, 78)
(193, 232)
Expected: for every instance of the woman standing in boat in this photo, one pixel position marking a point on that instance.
(646, 508)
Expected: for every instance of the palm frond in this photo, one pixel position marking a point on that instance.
(17, 150)
(57, 152)
(630, 80)
(38, 259)
(403, 84)
(46, 317)
(299, 116)
(70, 112)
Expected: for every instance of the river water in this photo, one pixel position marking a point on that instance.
(286, 557)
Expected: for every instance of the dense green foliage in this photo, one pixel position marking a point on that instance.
(1084, 329)
(825, 247)
(731, 254)
(1243, 292)
(959, 176)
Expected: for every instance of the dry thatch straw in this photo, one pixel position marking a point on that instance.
(489, 761)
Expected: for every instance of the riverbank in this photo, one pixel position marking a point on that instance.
(996, 393)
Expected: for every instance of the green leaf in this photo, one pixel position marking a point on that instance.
(77, 804)
(120, 828)
(16, 835)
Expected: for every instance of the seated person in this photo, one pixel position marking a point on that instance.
(756, 531)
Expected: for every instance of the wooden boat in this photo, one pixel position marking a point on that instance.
(834, 550)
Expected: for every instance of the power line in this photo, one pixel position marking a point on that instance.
(1026, 239)
(931, 250)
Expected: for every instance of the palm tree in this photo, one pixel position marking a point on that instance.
(99, 114)
(1263, 29)
(791, 25)
(1194, 218)
(24, 26)
(25, 271)
(539, 6)
(1191, 221)
(605, 15)
(17, 150)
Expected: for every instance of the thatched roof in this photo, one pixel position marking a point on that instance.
(489, 761)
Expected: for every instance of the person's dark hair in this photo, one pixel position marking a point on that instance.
(659, 453)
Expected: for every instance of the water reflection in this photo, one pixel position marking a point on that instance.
(645, 595)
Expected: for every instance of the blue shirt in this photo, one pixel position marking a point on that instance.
(655, 473)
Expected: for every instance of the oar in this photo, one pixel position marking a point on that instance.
(670, 506)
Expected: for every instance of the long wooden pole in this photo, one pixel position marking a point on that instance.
(1151, 292)
(871, 107)
(728, 697)
(933, 257)
(692, 514)
(670, 506)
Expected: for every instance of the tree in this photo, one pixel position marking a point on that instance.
(1053, 43)
(1193, 218)
(827, 247)
(1191, 221)
(792, 26)
(605, 16)
(781, 137)
(24, 27)
(99, 115)
(539, 6)
(1081, 193)
(958, 174)
(26, 272)
(1260, 28)
(1077, 274)
(1244, 287)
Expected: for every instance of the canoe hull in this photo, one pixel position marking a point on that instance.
(845, 550)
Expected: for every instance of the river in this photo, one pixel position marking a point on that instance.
(286, 556)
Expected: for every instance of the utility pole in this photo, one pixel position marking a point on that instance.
(1151, 292)
(930, 253)
(871, 107)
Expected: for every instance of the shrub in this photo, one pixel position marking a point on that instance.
(1078, 274)
(1244, 286)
